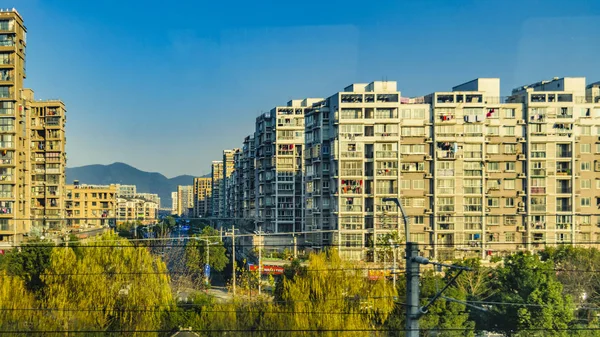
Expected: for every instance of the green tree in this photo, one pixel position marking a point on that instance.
(29, 263)
(106, 287)
(19, 306)
(536, 297)
(195, 251)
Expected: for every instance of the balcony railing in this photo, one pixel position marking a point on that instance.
(387, 172)
(538, 208)
(538, 190)
(386, 154)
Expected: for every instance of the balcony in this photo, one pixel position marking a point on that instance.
(351, 208)
(386, 154)
(441, 154)
(538, 190)
(538, 208)
(387, 173)
(538, 172)
(352, 154)
(380, 190)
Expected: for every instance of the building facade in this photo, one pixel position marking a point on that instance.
(225, 207)
(202, 194)
(216, 177)
(89, 206)
(126, 191)
(48, 162)
(139, 210)
(174, 203)
(185, 200)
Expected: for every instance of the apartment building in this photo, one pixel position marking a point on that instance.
(236, 188)
(139, 210)
(352, 158)
(91, 205)
(48, 162)
(174, 203)
(126, 191)
(279, 144)
(153, 197)
(202, 193)
(15, 207)
(248, 197)
(563, 143)
(478, 160)
(185, 200)
(228, 168)
(216, 177)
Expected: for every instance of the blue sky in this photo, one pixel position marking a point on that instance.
(166, 86)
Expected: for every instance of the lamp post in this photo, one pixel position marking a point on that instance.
(207, 264)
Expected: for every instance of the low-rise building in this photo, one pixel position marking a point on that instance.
(90, 205)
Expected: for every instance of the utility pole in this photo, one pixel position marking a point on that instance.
(259, 259)
(412, 289)
(207, 260)
(295, 248)
(394, 247)
(233, 255)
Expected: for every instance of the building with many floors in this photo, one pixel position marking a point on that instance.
(224, 196)
(174, 203)
(32, 140)
(126, 191)
(139, 210)
(185, 200)
(91, 205)
(478, 174)
(216, 176)
(202, 194)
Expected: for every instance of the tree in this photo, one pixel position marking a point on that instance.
(535, 295)
(106, 287)
(18, 304)
(195, 251)
(444, 318)
(29, 263)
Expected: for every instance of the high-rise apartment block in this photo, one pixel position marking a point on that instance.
(32, 145)
(185, 200)
(202, 193)
(174, 203)
(216, 176)
(139, 210)
(477, 174)
(225, 208)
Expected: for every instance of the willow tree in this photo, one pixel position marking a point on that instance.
(111, 285)
(332, 294)
(19, 308)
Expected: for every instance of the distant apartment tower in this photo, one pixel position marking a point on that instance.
(185, 200)
(48, 161)
(91, 205)
(174, 203)
(228, 167)
(216, 177)
(15, 189)
(248, 172)
(202, 193)
(126, 191)
(149, 197)
(137, 210)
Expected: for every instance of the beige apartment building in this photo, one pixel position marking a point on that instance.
(185, 200)
(126, 191)
(228, 168)
(202, 194)
(48, 162)
(216, 178)
(15, 207)
(139, 210)
(91, 205)
(174, 203)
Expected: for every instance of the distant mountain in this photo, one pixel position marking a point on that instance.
(121, 173)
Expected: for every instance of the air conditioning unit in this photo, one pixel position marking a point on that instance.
(428, 140)
(521, 139)
(521, 122)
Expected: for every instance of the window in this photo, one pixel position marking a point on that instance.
(585, 148)
(493, 166)
(586, 184)
(493, 202)
(510, 148)
(509, 202)
(509, 113)
(493, 130)
(586, 166)
(598, 148)
(472, 186)
(585, 130)
(419, 220)
(509, 237)
(538, 150)
(405, 184)
(472, 204)
(445, 186)
(418, 202)
(418, 184)
(509, 184)
(493, 148)
(509, 130)
(586, 202)
(510, 166)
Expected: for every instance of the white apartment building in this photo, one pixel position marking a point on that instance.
(174, 203)
(126, 191)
